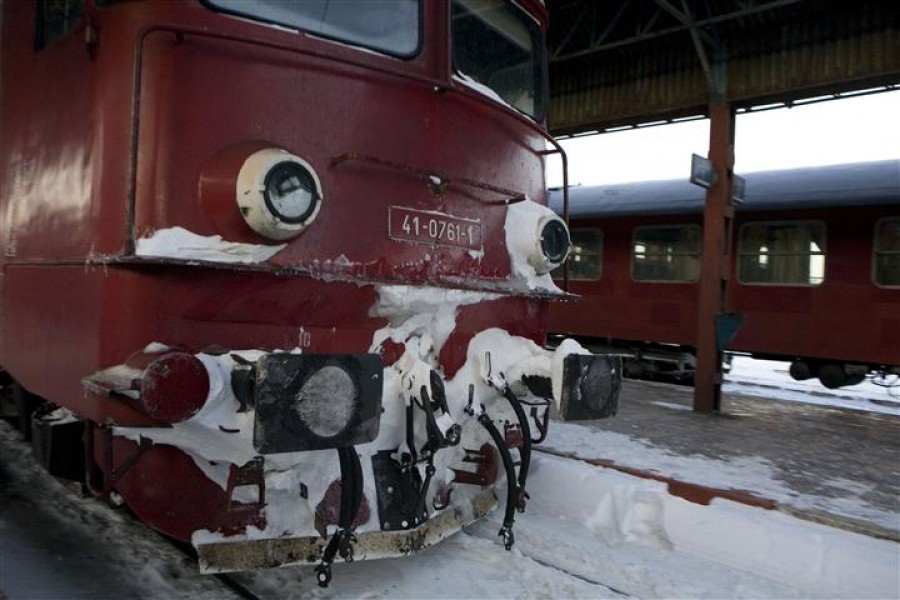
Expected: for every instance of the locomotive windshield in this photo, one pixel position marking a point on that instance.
(497, 44)
(390, 26)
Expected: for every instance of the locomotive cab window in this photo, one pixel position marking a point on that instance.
(499, 45)
(887, 252)
(389, 26)
(782, 253)
(54, 19)
(666, 254)
(585, 255)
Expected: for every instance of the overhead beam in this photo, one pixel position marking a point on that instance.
(583, 8)
(685, 18)
(671, 30)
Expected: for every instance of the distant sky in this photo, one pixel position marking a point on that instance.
(840, 131)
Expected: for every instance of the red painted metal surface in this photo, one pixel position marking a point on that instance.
(202, 97)
(846, 318)
(167, 490)
(142, 131)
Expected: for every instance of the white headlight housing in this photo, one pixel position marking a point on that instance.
(278, 193)
(537, 236)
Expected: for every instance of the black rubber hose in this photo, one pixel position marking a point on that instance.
(509, 517)
(351, 486)
(410, 435)
(541, 425)
(526, 436)
(345, 518)
(351, 497)
(435, 437)
(356, 500)
(440, 395)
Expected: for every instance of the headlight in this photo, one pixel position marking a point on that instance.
(291, 193)
(316, 401)
(326, 401)
(278, 193)
(554, 240)
(550, 243)
(537, 236)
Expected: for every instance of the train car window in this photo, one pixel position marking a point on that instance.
(585, 255)
(54, 19)
(887, 252)
(666, 254)
(389, 26)
(499, 45)
(782, 253)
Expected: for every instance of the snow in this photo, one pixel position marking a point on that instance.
(421, 319)
(426, 313)
(523, 220)
(481, 89)
(814, 559)
(567, 347)
(738, 473)
(588, 532)
(635, 516)
(181, 244)
(60, 416)
(155, 348)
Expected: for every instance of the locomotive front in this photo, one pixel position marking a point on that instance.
(334, 280)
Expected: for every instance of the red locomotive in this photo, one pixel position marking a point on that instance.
(815, 264)
(239, 236)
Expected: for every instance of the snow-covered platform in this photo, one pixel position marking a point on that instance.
(817, 461)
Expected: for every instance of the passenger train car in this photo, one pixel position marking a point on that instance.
(283, 266)
(815, 271)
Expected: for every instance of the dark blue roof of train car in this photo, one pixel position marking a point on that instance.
(858, 184)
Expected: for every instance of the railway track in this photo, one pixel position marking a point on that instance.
(241, 590)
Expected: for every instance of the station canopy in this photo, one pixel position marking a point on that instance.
(627, 62)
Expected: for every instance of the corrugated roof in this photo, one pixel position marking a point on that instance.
(622, 63)
(857, 184)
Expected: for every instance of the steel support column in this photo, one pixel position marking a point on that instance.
(718, 217)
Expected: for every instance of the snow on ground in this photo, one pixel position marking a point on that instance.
(758, 475)
(588, 533)
(690, 550)
(770, 379)
(751, 473)
(56, 544)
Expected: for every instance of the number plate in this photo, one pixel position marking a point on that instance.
(427, 227)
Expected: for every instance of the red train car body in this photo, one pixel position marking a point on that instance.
(815, 271)
(187, 187)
